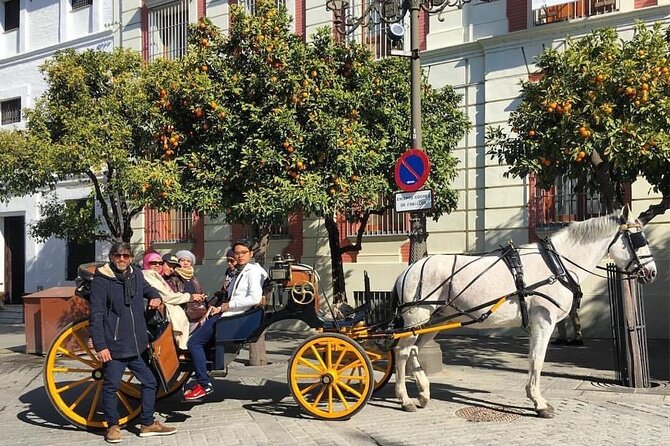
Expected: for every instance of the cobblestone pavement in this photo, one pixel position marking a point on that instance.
(253, 406)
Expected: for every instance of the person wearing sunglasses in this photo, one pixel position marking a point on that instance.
(245, 292)
(119, 334)
(173, 300)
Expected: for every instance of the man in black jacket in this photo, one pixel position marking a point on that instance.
(119, 334)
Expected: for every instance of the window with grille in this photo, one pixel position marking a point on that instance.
(375, 36)
(174, 226)
(388, 223)
(250, 5)
(11, 111)
(11, 15)
(76, 4)
(560, 204)
(167, 27)
(567, 10)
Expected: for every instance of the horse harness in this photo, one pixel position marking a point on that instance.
(510, 255)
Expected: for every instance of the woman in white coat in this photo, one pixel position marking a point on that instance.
(152, 267)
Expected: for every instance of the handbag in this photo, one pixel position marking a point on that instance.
(195, 311)
(163, 356)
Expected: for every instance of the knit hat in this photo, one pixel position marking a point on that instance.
(150, 257)
(230, 254)
(186, 254)
(171, 259)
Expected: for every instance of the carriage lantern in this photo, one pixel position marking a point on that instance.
(281, 270)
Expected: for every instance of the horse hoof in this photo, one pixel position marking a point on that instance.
(423, 401)
(409, 407)
(546, 413)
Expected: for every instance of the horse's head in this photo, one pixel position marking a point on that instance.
(630, 250)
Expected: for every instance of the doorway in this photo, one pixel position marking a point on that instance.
(15, 258)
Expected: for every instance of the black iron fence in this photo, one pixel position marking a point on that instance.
(380, 303)
(629, 331)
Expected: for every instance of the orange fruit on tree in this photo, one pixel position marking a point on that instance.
(584, 132)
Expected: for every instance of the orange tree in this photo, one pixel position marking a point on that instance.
(93, 125)
(599, 114)
(268, 125)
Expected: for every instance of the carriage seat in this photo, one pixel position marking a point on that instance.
(239, 328)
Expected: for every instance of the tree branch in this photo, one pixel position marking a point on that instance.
(103, 203)
(659, 208)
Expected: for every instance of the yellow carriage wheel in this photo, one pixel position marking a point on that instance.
(73, 380)
(330, 376)
(383, 363)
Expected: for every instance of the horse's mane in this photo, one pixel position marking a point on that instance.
(583, 231)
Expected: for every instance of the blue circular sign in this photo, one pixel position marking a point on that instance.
(411, 170)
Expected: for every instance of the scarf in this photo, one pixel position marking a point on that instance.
(185, 273)
(127, 278)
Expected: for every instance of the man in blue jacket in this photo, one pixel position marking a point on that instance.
(119, 333)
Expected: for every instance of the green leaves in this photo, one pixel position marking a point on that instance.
(602, 100)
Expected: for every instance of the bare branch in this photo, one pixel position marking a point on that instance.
(659, 208)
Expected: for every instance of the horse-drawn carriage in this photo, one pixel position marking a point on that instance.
(333, 374)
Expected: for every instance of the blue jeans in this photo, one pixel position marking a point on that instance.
(196, 346)
(113, 373)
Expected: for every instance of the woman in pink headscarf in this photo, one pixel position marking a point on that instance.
(153, 264)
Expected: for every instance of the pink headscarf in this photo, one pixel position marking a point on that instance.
(151, 257)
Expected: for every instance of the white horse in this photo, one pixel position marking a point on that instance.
(463, 288)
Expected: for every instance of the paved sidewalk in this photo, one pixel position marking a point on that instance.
(253, 406)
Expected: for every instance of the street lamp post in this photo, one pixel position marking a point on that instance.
(373, 13)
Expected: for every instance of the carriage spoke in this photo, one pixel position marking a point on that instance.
(348, 389)
(351, 365)
(308, 375)
(319, 395)
(330, 398)
(343, 353)
(318, 357)
(77, 358)
(72, 385)
(310, 364)
(96, 398)
(310, 388)
(81, 397)
(341, 395)
(84, 346)
(329, 355)
(125, 402)
(127, 387)
(70, 370)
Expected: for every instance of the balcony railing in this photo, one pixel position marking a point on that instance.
(387, 224)
(175, 226)
(559, 206)
(574, 10)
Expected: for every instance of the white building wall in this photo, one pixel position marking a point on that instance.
(46, 26)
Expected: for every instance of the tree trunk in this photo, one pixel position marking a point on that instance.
(336, 267)
(606, 185)
(257, 352)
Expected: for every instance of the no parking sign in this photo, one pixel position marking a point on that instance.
(412, 170)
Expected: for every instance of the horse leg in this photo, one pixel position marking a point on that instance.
(540, 332)
(402, 354)
(419, 374)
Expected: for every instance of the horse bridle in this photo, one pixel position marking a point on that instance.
(635, 241)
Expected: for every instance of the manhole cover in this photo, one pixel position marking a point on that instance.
(486, 414)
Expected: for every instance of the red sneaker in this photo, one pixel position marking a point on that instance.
(198, 392)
